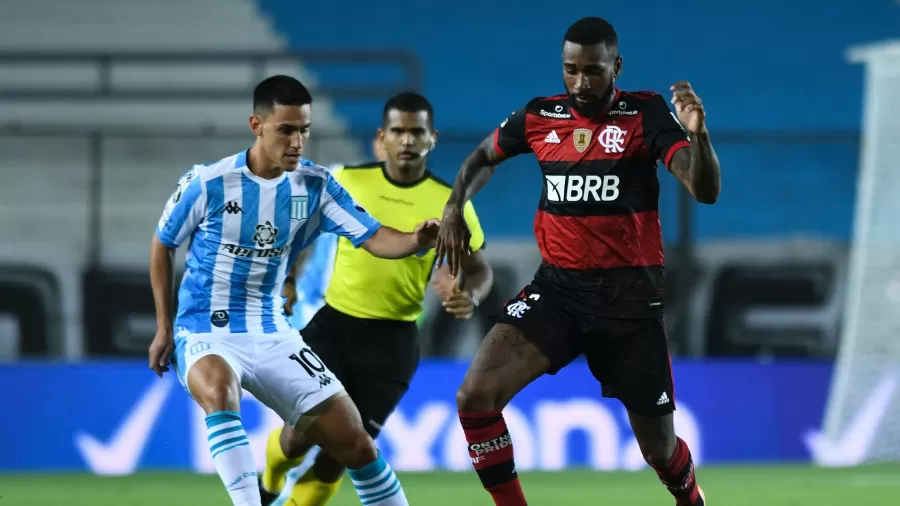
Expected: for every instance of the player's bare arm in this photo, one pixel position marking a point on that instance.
(161, 280)
(697, 167)
(391, 243)
(454, 236)
(290, 283)
(478, 278)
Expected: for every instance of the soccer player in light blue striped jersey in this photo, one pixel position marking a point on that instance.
(246, 218)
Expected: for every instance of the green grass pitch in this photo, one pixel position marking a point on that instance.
(731, 486)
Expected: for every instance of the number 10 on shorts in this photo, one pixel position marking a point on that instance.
(309, 361)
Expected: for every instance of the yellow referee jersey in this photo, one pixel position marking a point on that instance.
(365, 286)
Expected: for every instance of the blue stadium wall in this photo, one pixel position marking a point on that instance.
(774, 67)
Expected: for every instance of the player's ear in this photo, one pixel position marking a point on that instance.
(256, 125)
(618, 66)
(434, 138)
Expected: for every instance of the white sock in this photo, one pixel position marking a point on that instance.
(377, 485)
(233, 457)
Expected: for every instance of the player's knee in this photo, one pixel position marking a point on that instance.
(213, 385)
(476, 396)
(217, 396)
(327, 468)
(359, 450)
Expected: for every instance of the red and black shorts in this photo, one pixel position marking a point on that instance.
(628, 355)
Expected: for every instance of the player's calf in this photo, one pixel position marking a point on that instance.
(505, 363)
(338, 429)
(285, 449)
(668, 455)
(215, 387)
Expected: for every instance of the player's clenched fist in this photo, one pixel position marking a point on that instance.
(161, 350)
(453, 239)
(689, 107)
(460, 304)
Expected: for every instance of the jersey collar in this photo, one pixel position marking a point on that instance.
(600, 114)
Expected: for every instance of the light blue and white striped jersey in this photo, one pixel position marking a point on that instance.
(313, 280)
(244, 232)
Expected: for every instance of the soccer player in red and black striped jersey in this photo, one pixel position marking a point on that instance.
(598, 290)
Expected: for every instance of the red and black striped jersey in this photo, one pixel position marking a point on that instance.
(598, 218)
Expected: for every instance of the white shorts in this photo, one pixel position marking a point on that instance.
(279, 369)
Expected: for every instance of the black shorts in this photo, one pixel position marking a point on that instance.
(374, 359)
(628, 356)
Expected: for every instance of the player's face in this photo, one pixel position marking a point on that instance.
(407, 138)
(590, 75)
(283, 133)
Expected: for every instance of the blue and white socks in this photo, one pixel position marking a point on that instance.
(233, 457)
(377, 485)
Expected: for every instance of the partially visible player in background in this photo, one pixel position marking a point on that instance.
(247, 217)
(599, 289)
(366, 332)
(305, 292)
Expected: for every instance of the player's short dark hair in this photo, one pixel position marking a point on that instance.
(281, 90)
(591, 31)
(408, 101)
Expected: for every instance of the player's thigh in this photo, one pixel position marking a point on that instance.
(534, 336)
(630, 358)
(210, 375)
(337, 428)
(290, 378)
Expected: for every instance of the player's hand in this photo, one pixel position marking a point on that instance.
(453, 239)
(426, 234)
(442, 284)
(460, 304)
(290, 293)
(688, 107)
(161, 351)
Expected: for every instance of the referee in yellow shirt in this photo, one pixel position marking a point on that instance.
(367, 332)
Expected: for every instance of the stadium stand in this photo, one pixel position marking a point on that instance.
(48, 178)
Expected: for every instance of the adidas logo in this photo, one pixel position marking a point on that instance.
(552, 138)
(662, 399)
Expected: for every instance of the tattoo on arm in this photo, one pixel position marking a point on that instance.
(698, 169)
(475, 171)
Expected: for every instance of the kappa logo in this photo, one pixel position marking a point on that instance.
(233, 207)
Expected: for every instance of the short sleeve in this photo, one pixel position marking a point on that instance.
(510, 138)
(184, 211)
(341, 215)
(663, 134)
(477, 240)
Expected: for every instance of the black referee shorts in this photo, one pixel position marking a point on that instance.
(374, 359)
